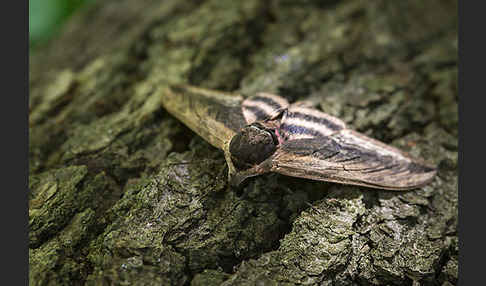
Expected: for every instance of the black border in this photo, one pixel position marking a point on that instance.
(15, 88)
(471, 218)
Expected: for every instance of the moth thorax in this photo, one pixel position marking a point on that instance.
(252, 145)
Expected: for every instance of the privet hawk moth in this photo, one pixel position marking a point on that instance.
(265, 133)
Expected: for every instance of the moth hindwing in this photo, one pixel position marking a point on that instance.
(264, 133)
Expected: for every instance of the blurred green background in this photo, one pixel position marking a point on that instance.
(46, 17)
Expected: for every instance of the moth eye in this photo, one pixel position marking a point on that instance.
(251, 146)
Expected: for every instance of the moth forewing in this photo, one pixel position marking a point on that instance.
(213, 115)
(352, 159)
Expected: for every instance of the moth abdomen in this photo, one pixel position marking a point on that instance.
(263, 106)
(252, 145)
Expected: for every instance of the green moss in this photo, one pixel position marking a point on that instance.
(58, 260)
(55, 198)
(209, 277)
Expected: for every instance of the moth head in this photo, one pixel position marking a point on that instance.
(252, 145)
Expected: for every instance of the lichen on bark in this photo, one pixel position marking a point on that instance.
(123, 193)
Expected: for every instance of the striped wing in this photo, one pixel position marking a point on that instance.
(301, 122)
(263, 106)
(318, 146)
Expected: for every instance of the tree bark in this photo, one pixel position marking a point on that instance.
(123, 193)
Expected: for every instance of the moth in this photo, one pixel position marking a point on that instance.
(265, 133)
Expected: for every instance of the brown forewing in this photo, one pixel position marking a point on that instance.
(349, 157)
(215, 116)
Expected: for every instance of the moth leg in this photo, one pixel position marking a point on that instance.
(236, 177)
(231, 168)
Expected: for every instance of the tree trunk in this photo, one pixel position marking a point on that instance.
(123, 193)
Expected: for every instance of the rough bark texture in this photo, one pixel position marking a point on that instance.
(124, 194)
